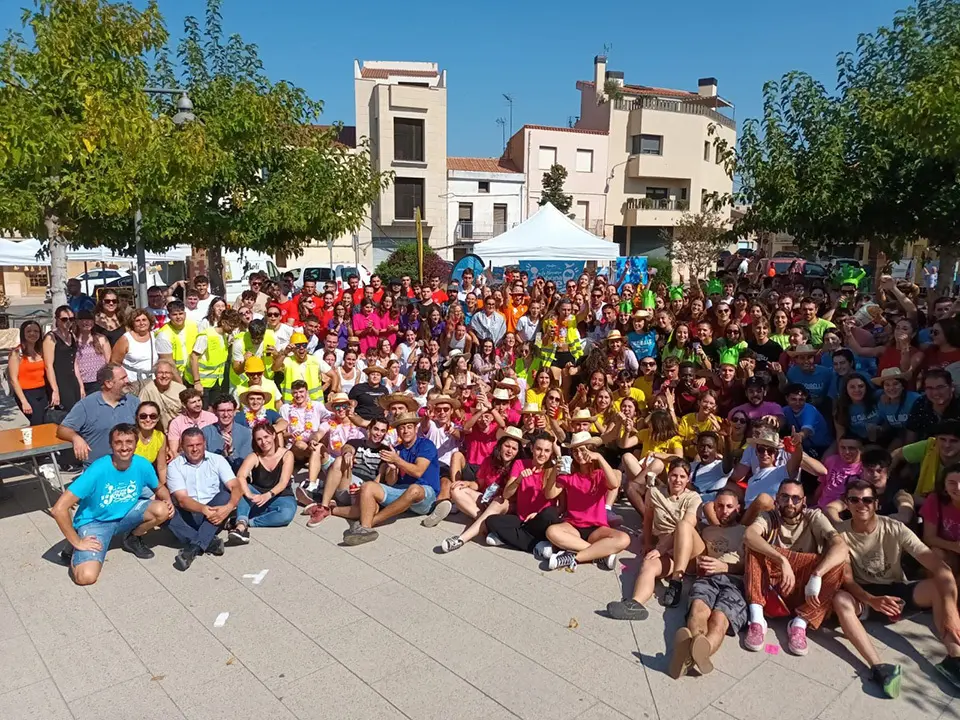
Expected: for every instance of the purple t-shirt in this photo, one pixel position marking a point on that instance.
(835, 481)
(755, 413)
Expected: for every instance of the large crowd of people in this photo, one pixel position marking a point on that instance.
(795, 447)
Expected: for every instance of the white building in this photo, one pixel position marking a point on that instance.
(484, 199)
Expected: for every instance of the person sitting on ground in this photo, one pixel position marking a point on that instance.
(151, 442)
(192, 415)
(439, 427)
(670, 542)
(876, 583)
(840, 468)
(707, 475)
(798, 552)
(89, 422)
(941, 449)
(264, 477)
(941, 520)
(806, 419)
(164, 390)
(892, 500)
(717, 605)
(367, 394)
(415, 483)
(108, 495)
(335, 431)
(253, 409)
(253, 369)
(584, 534)
(205, 492)
(757, 406)
(228, 436)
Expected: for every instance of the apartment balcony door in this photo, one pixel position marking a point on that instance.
(499, 219)
(582, 213)
(466, 221)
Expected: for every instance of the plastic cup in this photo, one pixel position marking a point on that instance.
(27, 434)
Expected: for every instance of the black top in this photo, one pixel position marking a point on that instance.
(366, 396)
(264, 480)
(768, 352)
(64, 357)
(366, 462)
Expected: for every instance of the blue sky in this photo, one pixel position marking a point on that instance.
(537, 51)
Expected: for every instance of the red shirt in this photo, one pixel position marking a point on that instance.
(378, 295)
(440, 297)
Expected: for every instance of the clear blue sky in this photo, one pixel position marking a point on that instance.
(537, 51)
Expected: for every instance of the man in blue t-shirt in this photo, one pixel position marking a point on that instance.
(807, 420)
(412, 483)
(805, 371)
(109, 498)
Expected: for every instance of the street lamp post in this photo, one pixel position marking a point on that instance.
(183, 116)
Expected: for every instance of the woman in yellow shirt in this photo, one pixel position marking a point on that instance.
(541, 384)
(653, 447)
(151, 442)
(692, 424)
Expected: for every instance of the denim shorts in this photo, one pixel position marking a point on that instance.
(391, 494)
(104, 532)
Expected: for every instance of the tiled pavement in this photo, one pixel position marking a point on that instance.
(388, 630)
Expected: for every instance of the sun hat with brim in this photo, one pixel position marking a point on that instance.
(582, 415)
(298, 339)
(374, 368)
(336, 399)
(253, 390)
(395, 399)
(444, 400)
(531, 409)
(405, 419)
(614, 335)
(452, 356)
(583, 438)
(512, 432)
(802, 350)
(509, 384)
(890, 373)
(642, 314)
(351, 339)
(502, 394)
(767, 437)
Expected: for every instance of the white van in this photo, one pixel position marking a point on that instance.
(322, 274)
(237, 268)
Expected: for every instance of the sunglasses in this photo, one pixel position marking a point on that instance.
(64, 318)
(341, 406)
(273, 314)
(792, 499)
(300, 346)
(148, 416)
(739, 421)
(109, 301)
(765, 450)
(863, 500)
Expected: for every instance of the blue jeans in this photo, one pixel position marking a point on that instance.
(392, 493)
(278, 512)
(193, 529)
(104, 532)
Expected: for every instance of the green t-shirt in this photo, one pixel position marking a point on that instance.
(914, 452)
(817, 329)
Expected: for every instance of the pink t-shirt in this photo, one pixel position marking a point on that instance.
(585, 498)
(385, 322)
(945, 518)
(835, 481)
(530, 497)
(487, 474)
(360, 323)
(480, 442)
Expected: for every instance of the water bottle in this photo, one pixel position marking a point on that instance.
(489, 493)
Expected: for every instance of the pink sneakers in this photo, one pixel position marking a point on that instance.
(797, 640)
(755, 635)
(318, 513)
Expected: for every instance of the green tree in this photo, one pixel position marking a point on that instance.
(695, 242)
(79, 143)
(553, 193)
(405, 261)
(277, 180)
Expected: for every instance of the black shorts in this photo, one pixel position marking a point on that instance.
(444, 470)
(723, 593)
(904, 591)
(469, 473)
(586, 532)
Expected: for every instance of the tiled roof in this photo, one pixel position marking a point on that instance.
(564, 129)
(490, 165)
(384, 73)
(649, 90)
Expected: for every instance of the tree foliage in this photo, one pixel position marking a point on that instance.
(696, 241)
(875, 160)
(553, 180)
(405, 261)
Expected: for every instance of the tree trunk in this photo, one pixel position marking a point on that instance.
(215, 271)
(949, 254)
(58, 259)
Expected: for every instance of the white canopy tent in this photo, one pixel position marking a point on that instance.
(24, 252)
(547, 235)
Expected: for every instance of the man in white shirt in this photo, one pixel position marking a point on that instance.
(204, 298)
(438, 427)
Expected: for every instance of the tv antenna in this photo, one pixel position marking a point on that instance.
(509, 99)
(607, 47)
(503, 130)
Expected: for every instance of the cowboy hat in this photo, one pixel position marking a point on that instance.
(444, 400)
(253, 364)
(766, 436)
(374, 368)
(452, 356)
(802, 350)
(531, 409)
(336, 399)
(511, 432)
(582, 438)
(582, 415)
(890, 373)
(613, 335)
(408, 418)
(353, 339)
(395, 399)
(502, 394)
(254, 390)
(509, 384)
(641, 315)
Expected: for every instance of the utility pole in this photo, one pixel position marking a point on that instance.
(509, 99)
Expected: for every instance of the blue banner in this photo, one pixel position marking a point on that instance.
(635, 267)
(559, 271)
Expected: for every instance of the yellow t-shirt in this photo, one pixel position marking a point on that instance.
(644, 385)
(152, 449)
(689, 428)
(671, 446)
(636, 393)
(535, 397)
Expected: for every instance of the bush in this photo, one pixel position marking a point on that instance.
(403, 261)
(664, 269)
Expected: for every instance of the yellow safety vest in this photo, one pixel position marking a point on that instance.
(269, 345)
(309, 370)
(213, 362)
(181, 350)
(269, 385)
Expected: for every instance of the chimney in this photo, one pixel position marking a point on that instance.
(599, 73)
(707, 87)
(616, 76)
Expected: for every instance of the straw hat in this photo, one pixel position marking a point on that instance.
(582, 438)
(298, 338)
(253, 364)
(395, 399)
(408, 418)
(582, 415)
(766, 436)
(336, 399)
(890, 373)
(502, 394)
(641, 314)
(613, 335)
(254, 390)
(374, 368)
(802, 350)
(444, 400)
(531, 409)
(353, 339)
(511, 432)
(509, 384)
(452, 356)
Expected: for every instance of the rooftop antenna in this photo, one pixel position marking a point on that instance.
(503, 130)
(509, 99)
(607, 47)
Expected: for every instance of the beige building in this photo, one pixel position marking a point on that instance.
(661, 157)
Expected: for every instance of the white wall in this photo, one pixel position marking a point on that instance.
(505, 189)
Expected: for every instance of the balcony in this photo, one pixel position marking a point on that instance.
(467, 231)
(652, 103)
(653, 211)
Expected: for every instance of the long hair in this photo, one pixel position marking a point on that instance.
(38, 345)
(502, 467)
(662, 427)
(155, 406)
(844, 402)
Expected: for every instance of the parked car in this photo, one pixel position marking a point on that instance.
(782, 267)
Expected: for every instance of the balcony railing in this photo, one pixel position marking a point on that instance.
(480, 231)
(688, 108)
(657, 204)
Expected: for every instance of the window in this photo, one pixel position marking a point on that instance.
(499, 219)
(658, 193)
(408, 195)
(548, 157)
(706, 150)
(647, 145)
(483, 186)
(408, 139)
(465, 217)
(38, 278)
(683, 193)
(585, 161)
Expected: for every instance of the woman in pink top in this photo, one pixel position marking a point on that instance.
(366, 326)
(389, 315)
(584, 535)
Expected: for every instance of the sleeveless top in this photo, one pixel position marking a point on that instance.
(64, 355)
(455, 344)
(264, 480)
(89, 360)
(345, 384)
(31, 374)
(140, 357)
